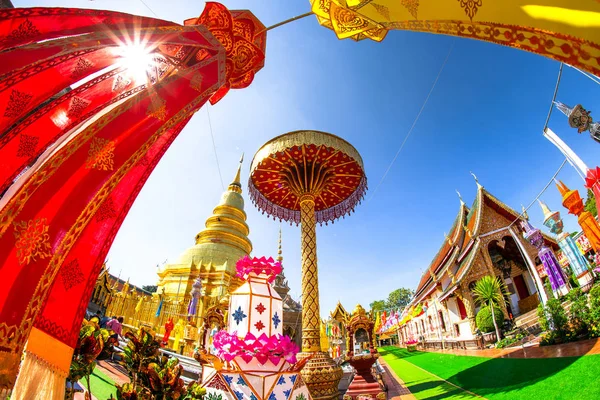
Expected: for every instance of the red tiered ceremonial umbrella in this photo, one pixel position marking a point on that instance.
(309, 177)
(75, 114)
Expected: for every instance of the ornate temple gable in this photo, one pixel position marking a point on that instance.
(478, 269)
(499, 215)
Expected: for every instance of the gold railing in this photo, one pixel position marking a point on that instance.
(146, 316)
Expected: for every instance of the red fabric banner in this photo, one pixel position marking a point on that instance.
(58, 226)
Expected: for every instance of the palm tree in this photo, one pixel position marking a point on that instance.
(489, 291)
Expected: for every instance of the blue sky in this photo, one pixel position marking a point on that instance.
(485, 115)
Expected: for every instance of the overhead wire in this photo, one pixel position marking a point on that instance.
(148, 7)
(414, 122)
(212, 136)
(560, 69)
(215, 148)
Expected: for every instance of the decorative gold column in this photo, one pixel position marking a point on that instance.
(311, 338)
(468, 301)
(321, 374)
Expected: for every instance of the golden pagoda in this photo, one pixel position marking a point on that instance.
(218, 247)
(212, 259)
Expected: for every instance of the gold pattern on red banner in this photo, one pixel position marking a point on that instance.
(101, 155)
(157, 108)
(32, 240)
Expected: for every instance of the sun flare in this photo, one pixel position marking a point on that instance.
(137, 59)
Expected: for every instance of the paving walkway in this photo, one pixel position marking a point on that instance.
(396, 387)
(114, 371)
(575, 349)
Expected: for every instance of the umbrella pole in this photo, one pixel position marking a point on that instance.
(287, 21)
(311, 337)
(321, 374)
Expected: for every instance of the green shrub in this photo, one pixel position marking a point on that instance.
(509, 341)
(484, 319)
(594, 315)
(548, 338)
(579, 314)
(542, 318)
(557, 316)
(553, 320)
(595, 297)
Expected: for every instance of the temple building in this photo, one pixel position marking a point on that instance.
(485, 239)
(211, 260)
(102, 293)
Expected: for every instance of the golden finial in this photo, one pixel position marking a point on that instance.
(447, 238)
(524, 212)
(236, 185)
(476, 180)
(358, 310)
(460, 197)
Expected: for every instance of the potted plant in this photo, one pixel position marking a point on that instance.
(411, 345)
(93, 342)
(489, 292)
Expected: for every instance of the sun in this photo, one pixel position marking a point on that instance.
(137, 59)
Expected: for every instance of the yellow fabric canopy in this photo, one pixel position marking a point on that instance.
(565, 30)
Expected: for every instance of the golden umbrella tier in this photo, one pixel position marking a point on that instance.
(307, 163)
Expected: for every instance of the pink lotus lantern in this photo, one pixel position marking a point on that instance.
(253, 359)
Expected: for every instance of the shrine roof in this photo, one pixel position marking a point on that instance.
(340, 312)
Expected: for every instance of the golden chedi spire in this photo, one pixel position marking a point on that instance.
(218, 247)
(280, 284)
(228, 222)
(279, 252)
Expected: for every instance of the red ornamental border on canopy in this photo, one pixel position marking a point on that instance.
(346, 207)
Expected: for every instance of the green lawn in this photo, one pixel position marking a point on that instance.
(496, 378)
(102, 385)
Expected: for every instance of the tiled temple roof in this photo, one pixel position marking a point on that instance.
(465, 242)
(447, 252)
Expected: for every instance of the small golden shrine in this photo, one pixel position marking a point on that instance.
(361, 354)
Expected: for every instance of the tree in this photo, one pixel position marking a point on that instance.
(377, 305)
(489, 292)
(590, 203)
(399, 298)
(150, 288)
